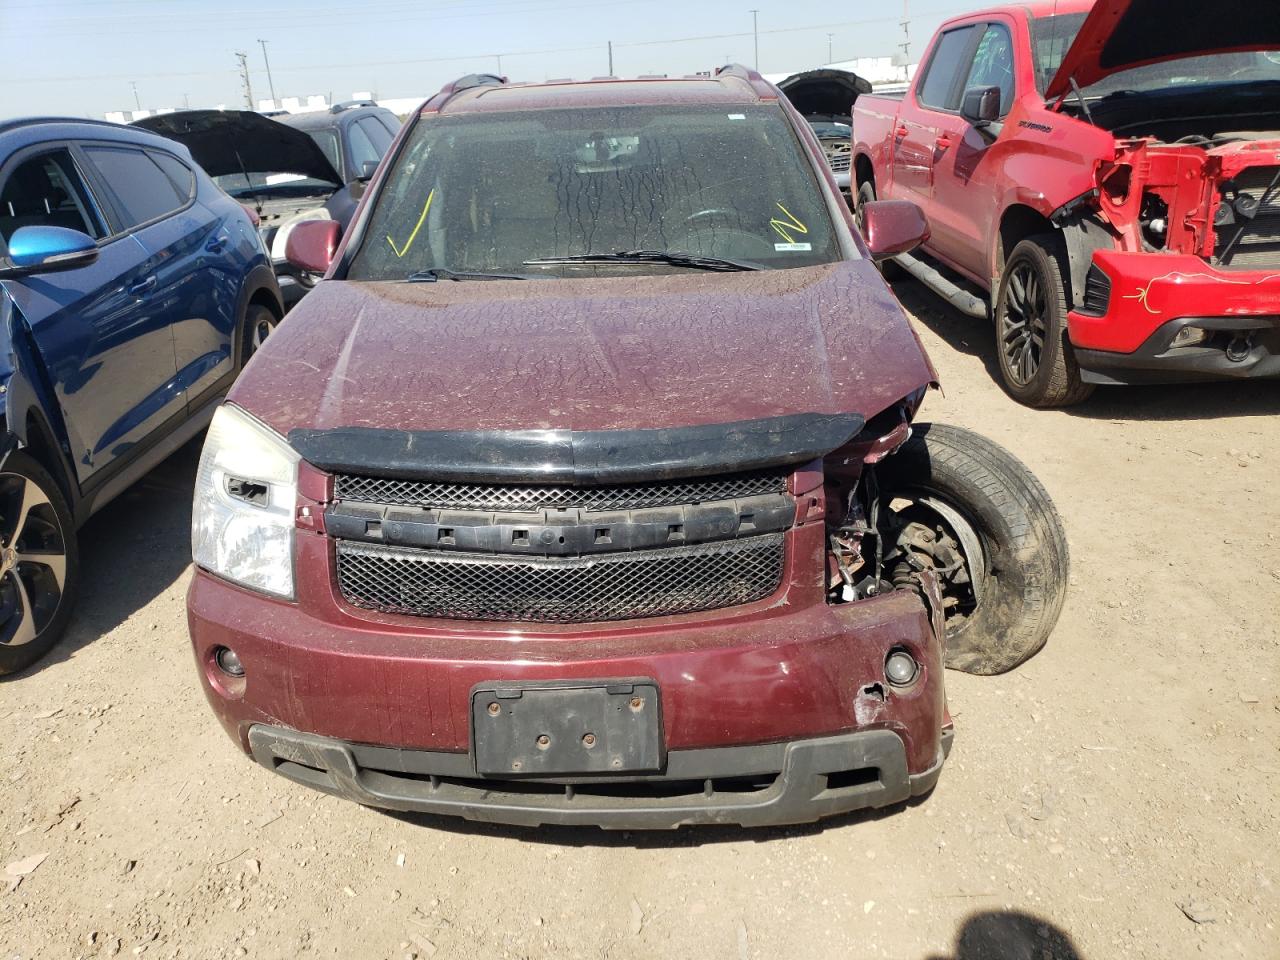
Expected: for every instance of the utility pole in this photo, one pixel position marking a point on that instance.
(499, 56)
(611, 58)
(270, 83)
(755, 32)
(906, 34)
(134, 84)
(244, 78)
(830, 58)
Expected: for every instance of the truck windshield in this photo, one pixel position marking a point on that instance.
(1054, 36)
(495, 193)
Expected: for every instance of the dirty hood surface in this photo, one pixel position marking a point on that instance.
(238, 141)
(679, 350)
(1121, 34)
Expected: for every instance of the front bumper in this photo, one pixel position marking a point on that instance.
(769, 784)
(1128, 337)
(785, 669)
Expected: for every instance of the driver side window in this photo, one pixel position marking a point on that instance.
(993, 65)
(46, 191)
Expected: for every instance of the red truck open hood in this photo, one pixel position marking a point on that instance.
(649, 352)
(1122, 34)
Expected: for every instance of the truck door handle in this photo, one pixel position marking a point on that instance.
(217, 244)
(943, 142)
(901, 132)
(143, 286)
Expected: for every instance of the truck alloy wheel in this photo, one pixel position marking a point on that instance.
(39, 562)
(1036, 361)
(967, 509)
(260, 323)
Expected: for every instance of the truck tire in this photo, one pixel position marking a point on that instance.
(1037, 363)
(39, 563)
(954, 492)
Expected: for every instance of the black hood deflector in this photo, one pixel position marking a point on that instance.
(574, 456)
(238, 141)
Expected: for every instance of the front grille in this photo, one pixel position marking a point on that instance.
(1250, 237)
(839, 155)
(1097, 293)
(514, 498)
(646, 583)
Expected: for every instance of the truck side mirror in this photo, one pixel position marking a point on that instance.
(981, 105)
(312, 244)
(44, 249)
(891, 227)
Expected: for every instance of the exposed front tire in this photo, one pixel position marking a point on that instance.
(954, 502)
(1037, 363)
(39, 563)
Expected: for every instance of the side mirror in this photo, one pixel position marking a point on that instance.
(891, 227)
(312, 244)
(981, 105)
(368, 169)
(47, 250)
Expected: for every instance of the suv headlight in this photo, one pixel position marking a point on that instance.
(246, 491)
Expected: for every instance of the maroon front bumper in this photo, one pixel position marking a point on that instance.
(375, 696)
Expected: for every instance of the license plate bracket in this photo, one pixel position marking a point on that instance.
(567, 728)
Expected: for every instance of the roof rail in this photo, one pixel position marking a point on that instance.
(462, 84)
(763, 88)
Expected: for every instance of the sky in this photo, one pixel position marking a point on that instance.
(83, 57)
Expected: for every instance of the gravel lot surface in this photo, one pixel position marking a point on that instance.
(1115, 797)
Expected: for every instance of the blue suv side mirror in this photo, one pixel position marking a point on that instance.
(46, 250)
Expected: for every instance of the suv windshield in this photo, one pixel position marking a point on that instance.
(1054, 35)
(493, 192)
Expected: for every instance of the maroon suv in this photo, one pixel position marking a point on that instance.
(584, 488)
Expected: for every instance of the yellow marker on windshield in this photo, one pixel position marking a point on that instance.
(785, 227)
(400, 252)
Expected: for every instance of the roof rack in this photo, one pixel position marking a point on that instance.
(763, 88)
(351, 105)
(461, 85)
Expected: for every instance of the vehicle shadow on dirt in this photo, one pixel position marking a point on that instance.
(1010, 935)
(131, 551)
(689, 836)
(1201, 401)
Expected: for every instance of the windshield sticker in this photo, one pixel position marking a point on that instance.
(793, 247)
(788, 228)
(401, 251)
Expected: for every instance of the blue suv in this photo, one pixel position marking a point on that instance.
(132, 291)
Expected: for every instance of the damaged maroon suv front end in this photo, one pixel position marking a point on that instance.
(591, 541)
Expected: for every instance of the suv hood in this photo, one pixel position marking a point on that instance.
(372, 360)
(1122, 34)
(825, 93)
(238, 141)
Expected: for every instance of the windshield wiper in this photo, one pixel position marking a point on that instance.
(652, 256)
(442, 273)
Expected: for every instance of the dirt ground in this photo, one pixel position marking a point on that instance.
(1115, 797)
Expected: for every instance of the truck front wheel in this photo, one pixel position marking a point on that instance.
(1037, 364)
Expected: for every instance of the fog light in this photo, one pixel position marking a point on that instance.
(1189, 337)
(228, 662)
(901, 668)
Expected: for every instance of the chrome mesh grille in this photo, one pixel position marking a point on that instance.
(513, 498)
(624, 586)
(839, 155)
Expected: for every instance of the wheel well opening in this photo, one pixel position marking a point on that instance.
(864, 172)
(263, 298)
(1016, 225)
(41, 447)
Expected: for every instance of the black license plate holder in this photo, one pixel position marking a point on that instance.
(566, 728)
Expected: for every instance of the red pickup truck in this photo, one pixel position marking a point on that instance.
(1102, 180)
